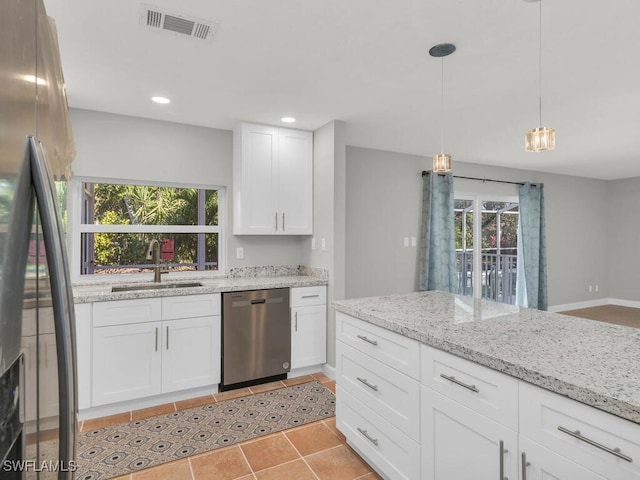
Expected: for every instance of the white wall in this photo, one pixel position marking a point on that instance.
(384, 199)
(131, 148)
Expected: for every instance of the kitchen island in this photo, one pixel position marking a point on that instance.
(549, 379)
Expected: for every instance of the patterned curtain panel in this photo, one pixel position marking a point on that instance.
(531, 284)
(437, 241)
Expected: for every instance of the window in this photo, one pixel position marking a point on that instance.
(486, 252)
(118, 222)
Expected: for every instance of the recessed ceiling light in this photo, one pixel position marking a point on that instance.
(287, 119)
(162, 100)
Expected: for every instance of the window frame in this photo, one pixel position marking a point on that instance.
(75, 229)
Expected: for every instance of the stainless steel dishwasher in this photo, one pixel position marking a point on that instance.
(256, 337)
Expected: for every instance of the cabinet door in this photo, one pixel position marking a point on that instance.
(543, 464)
(458, 443)
(255, 182)
(190, 353)
(83, 354)
(308, 336)
(126, 362)
(295, 182)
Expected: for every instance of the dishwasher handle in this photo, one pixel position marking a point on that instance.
(259, 300)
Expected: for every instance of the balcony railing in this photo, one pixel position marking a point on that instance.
(498, 276)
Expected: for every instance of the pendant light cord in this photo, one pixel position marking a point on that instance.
(442, 105)
(540, 67)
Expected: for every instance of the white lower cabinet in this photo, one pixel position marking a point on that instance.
(540, 463)
(308, 326)
(126, 362)
(156, 354)
(191, 353)
(459, 443)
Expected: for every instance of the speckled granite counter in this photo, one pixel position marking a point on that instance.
(238, 279)
(593, 362)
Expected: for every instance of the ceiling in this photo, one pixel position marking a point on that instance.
(366, 62)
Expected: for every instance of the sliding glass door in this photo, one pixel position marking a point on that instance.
(486, 247)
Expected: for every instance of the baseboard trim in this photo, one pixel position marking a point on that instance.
(578, 305)
(329, 371)
(595, 303)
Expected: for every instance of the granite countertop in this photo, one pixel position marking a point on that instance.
(246, 280)
(593, 362)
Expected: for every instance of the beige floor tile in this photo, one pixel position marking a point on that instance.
(123, 477)
(153, 411)
(297, 380)
(331, 385)
(224, 464)
(268, 452)
(195, 402)
(331, 423)
(370, 476)
(96, 423)
(296, 470)
(312, 438)
(231, 394)
(321, 377)
(265, 387)
(339, 463)
(179, 470)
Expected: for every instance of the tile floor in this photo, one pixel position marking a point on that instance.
(316, 451)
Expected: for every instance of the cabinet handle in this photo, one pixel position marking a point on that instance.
(525, 464)
(156, 339)
(368, 437)
(276, 221)
(453, 379)
(372, 342)
(283, 221)
(364, 381)
(296, 321)
(167, 337)
(613, 451)
(311, 296)
(502, 452)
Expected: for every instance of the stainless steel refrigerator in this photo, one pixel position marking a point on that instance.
(37, 351)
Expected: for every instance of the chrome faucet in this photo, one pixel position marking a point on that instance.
(157, 271)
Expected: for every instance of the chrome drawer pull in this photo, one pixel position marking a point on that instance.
(368, 437)
(453, 379)
(524, 464)
(311, 296)
(613, 451)
(502, 452)
(364, 380)
(372, 342)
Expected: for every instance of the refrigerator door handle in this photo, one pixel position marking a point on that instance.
(62, 300)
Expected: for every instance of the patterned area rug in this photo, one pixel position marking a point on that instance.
(120, 449)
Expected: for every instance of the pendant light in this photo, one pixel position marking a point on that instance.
(442, 161)
(540, 138)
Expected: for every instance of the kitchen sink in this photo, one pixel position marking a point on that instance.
(154, 286)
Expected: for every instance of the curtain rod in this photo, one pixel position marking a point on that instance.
(424, 172)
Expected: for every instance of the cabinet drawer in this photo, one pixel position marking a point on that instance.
(383, 445)
(390, 348)
(543, 414)
(189, 306)
(124, 312)
(482, 389)
(302, 296)
(394, 397)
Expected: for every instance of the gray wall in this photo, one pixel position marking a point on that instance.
(131, 148)
(623, 225)
(384, 195)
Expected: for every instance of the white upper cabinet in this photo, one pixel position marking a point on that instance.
(272, 181)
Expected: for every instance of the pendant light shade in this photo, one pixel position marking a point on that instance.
(541, 138)
(442, 161)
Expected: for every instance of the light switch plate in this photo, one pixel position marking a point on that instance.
(239, 253)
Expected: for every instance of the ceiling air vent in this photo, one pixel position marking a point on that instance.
(158, 19)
